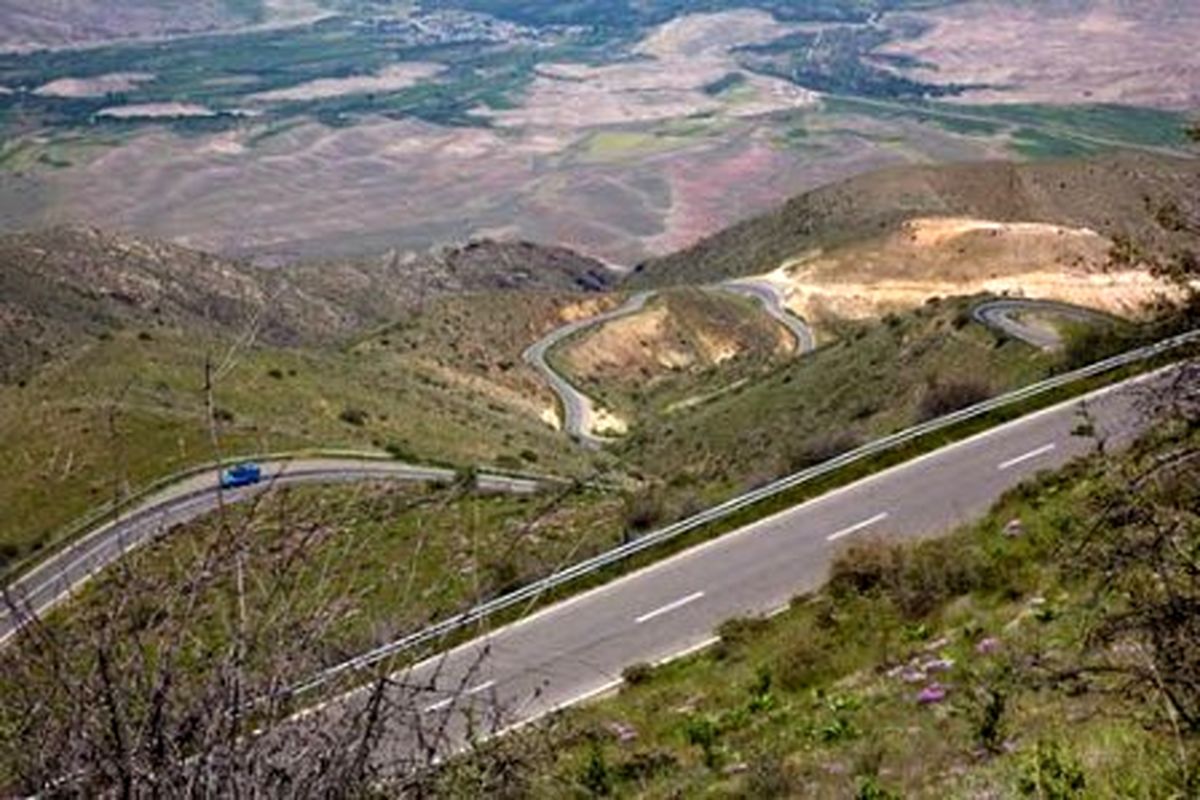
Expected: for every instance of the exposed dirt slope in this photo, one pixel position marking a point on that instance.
(685, 331)
(950, 256)
(1153, 200)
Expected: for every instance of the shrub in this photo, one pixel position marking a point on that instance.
(595, 777)
(1093, 344)
(1050, 774)
(869, 788)
(916, 579)
(702, 732)
(768, 776)
(645, 765)
(821, 448)
(943, 398)
(400, 451)
(644, 510)
(804, 662)
(354, 416)
(636, 674)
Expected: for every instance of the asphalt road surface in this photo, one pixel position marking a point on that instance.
(577, 407)
(56, 578)
(772, 302)
(1003, 315)
(577, 649)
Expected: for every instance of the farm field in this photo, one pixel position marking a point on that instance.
(357, 129)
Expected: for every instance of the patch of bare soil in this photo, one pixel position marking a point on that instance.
(940, 257)
(683, 332)
(1063, 51)
(97, 86)
(390, 79)
(678, 61)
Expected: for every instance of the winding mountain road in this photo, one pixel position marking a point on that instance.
(56, 578)
(1003, 315)
(773, 303)
(579, 410)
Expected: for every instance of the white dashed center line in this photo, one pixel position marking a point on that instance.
(669, 607)
(866, 523)
(1032, 454)
(440, 704)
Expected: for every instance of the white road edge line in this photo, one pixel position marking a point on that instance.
(579, 699)
(439, 705)
(1032, 454)
(704, 644)
(866, 523)
(669, 607)
(483, 687)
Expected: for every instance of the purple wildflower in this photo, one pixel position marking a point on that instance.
(988, 646)
(933, 693)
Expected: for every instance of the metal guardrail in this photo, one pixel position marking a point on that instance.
(75, 535)
(734, 505)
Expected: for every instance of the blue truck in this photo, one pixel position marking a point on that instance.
(246, 474)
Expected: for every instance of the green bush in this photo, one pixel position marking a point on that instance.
(636, 674)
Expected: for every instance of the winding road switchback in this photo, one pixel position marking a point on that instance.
(773, 303)
(579, 410)
(577, 407)
(1001, 315)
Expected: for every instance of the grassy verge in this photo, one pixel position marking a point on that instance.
(372, 562)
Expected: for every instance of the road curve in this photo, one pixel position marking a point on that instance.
(577, 649)
(1000, 315)
(773, 303)
(39, 590)
(577, 407)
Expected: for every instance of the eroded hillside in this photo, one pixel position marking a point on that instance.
(1152, 201)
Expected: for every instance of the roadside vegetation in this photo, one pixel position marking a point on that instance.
(372, 563)
(1047, 651)
(872, 379)
(131, 409)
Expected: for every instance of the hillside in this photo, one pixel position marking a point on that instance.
(105, 343)
(39, 24)
(686, 345)
(62, 287)
(1151, 200)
